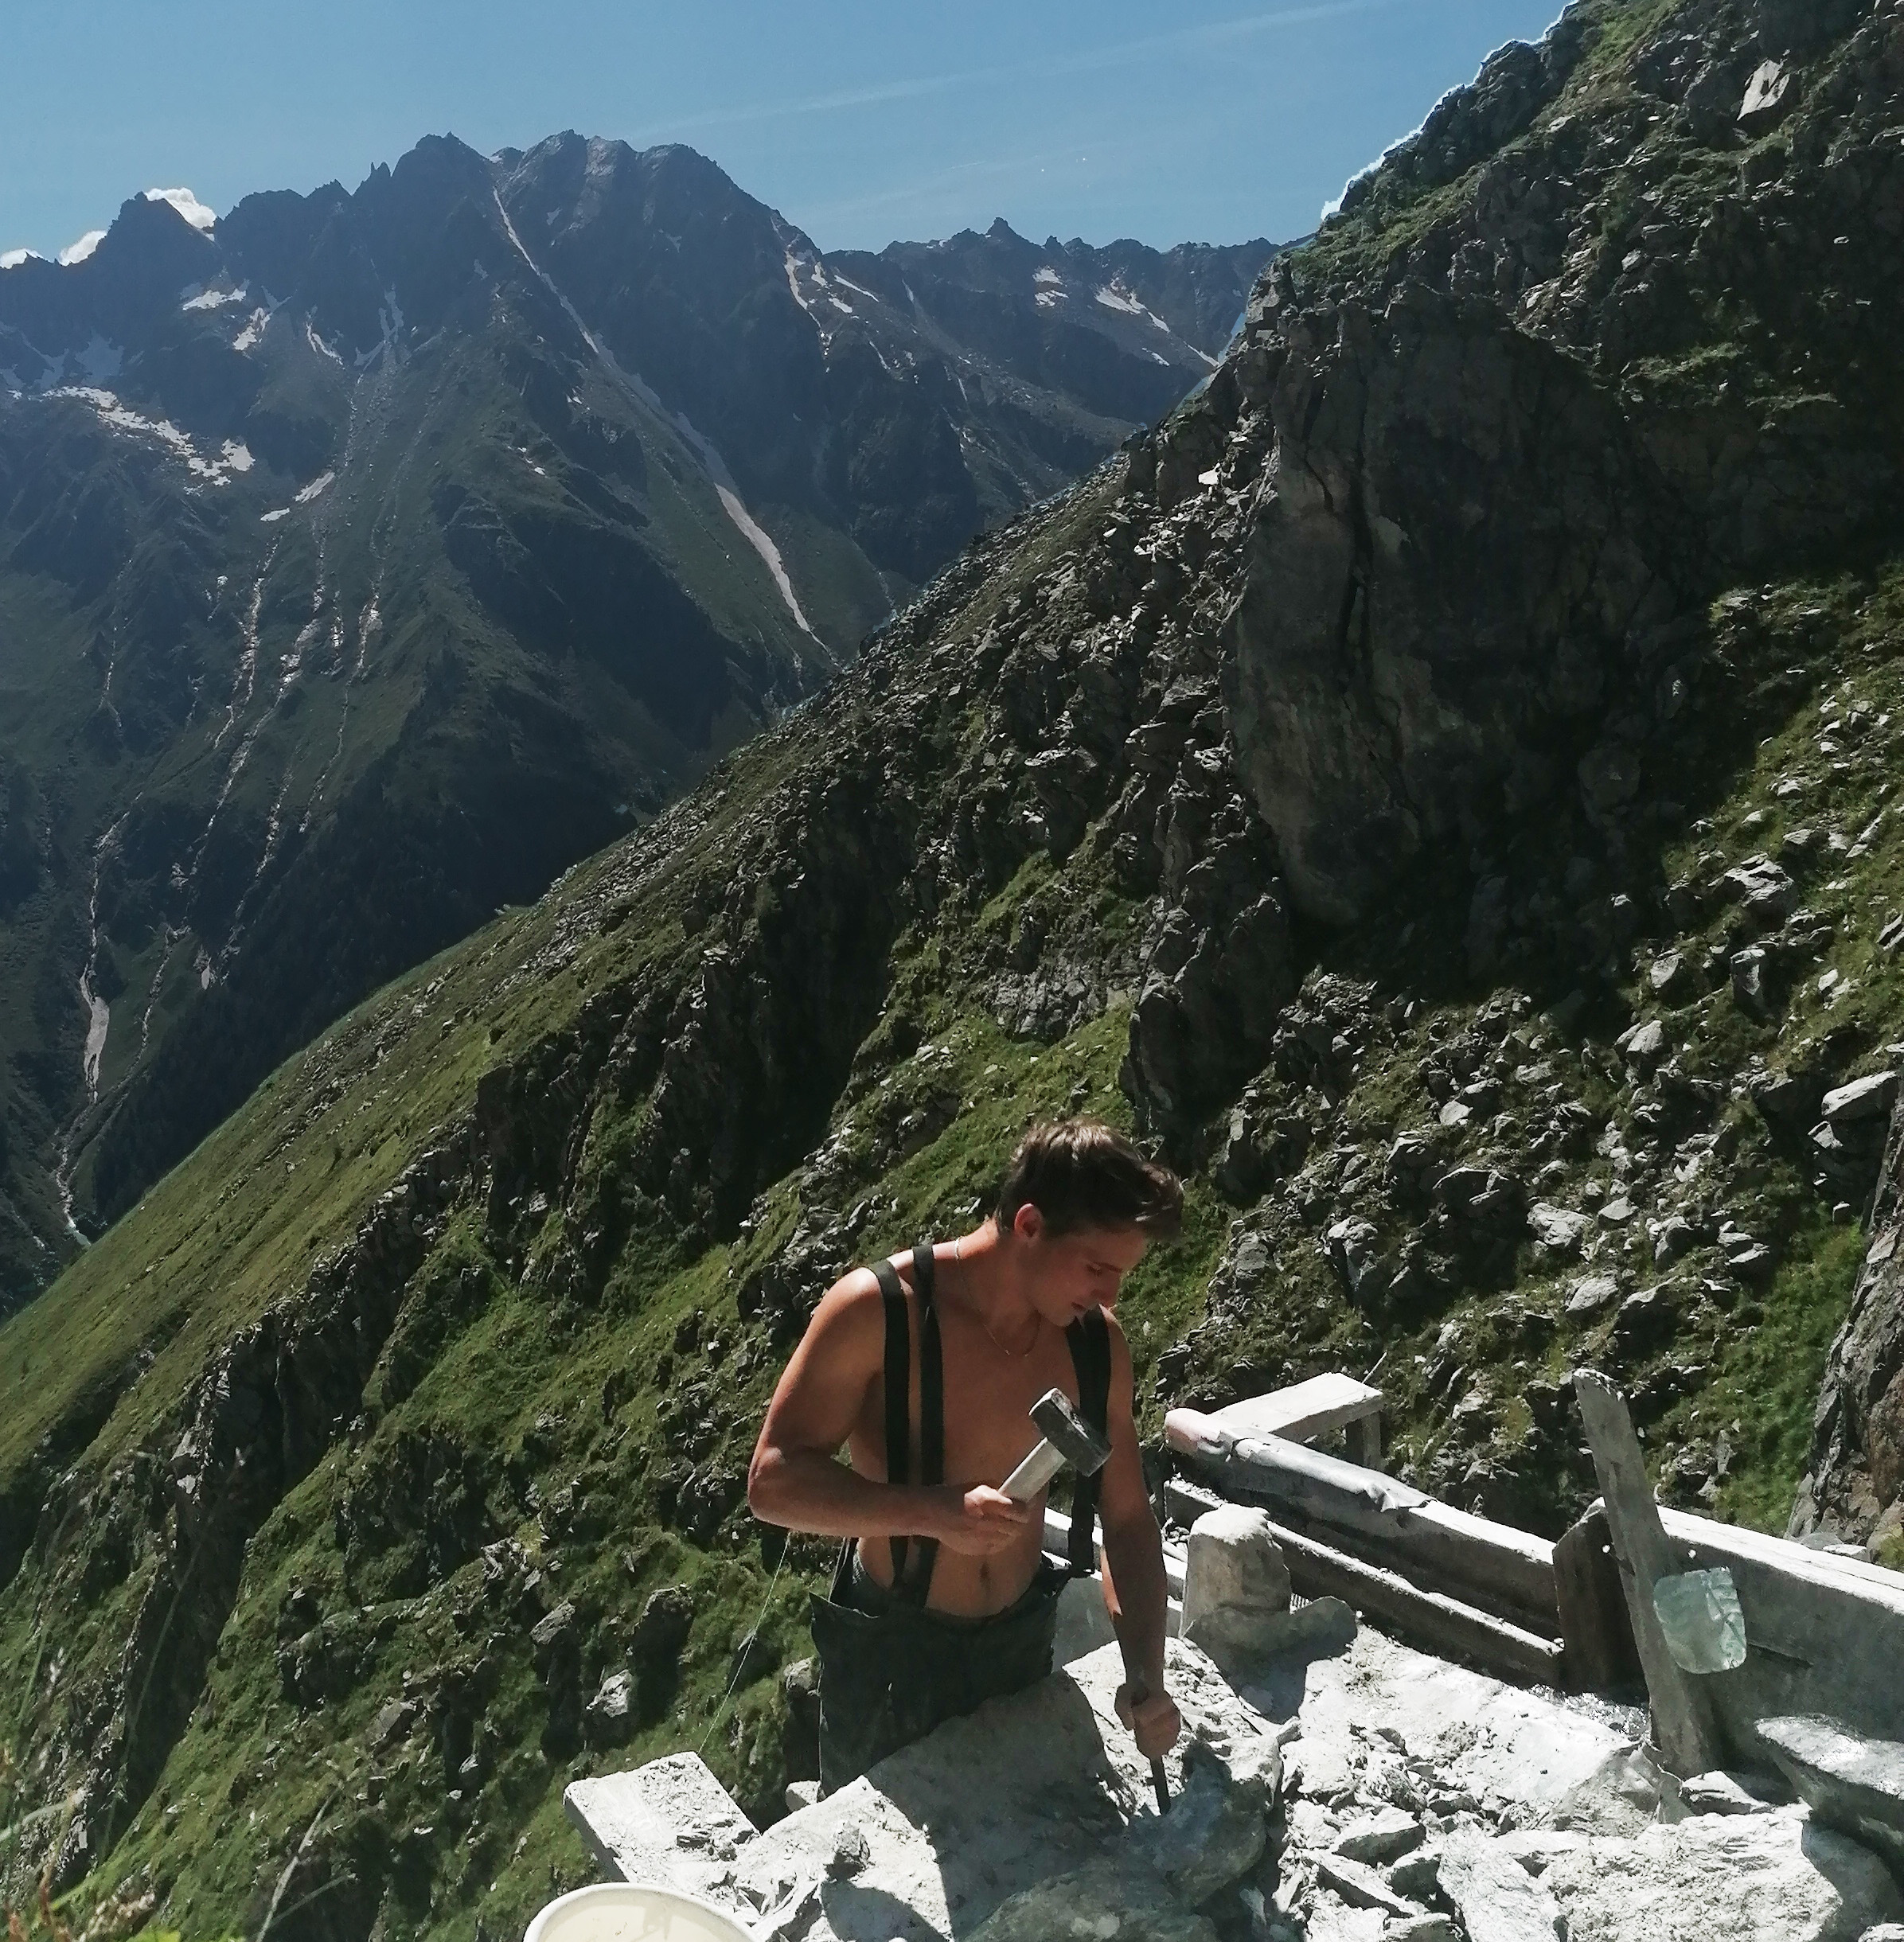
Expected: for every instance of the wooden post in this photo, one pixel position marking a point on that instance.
(1684, 1726)
(1592, 1599)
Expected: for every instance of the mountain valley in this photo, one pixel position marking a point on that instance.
(366, 559)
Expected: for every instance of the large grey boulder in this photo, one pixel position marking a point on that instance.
(1117, 1899)
(1849, 1782)
(1458, 534)
(1497, 1899)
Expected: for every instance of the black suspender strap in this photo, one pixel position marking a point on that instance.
(1089, 1338)
(913, 1559)
(932, 1416)
(899, 1392)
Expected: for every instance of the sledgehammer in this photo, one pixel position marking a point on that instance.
(1068, 1439)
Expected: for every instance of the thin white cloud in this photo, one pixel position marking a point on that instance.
(1210, 35)
(78, 251)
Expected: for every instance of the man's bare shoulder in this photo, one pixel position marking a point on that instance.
(850, 1317)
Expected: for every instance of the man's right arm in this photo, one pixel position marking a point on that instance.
(796, 1480)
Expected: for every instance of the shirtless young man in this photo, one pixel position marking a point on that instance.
(945, 1599)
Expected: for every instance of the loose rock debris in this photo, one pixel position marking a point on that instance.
(1362, 1792)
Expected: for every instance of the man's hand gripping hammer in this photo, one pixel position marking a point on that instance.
(1067, 1438)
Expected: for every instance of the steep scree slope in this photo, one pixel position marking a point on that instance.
(365, 559)
(1527, 996)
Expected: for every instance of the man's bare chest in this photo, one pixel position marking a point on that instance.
(988, 1397)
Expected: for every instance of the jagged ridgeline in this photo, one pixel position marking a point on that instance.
(366, 559)
(1438, 786)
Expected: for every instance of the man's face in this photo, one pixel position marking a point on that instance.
(1067, 1274)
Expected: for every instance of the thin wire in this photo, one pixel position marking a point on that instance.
(740, 1660)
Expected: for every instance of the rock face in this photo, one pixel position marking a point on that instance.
(1854, 1488)
(1457, 532)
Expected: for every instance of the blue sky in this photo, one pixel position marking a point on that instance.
(860, 122)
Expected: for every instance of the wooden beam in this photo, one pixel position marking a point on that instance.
(1304, 1410)
(1600, 1655)
(1503, 1567)
(1684, 1728)
(1428, 1619)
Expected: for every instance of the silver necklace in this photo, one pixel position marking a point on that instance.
(1014, 1355)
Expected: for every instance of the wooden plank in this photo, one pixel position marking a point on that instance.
(1684, 1726)
(1434, 1542)
(1304, 1410)
(1600, 1655)
(1057, 1541)
(1428, 1619)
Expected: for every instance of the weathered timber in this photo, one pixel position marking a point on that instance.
(1507, 1569)
(1685, 1727)
(1594, 1622)
(1306, 1410)
(1429, 1619)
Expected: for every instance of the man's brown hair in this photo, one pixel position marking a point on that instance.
(1080, 1174)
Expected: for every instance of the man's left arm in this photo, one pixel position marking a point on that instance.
(1136, 1592)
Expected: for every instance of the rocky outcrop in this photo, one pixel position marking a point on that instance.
(1853, 1490)
(1456, 535)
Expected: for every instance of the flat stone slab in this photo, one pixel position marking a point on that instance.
(670, 1822)
(1305, 1410)
(1492, 1740)
(1849, 1782)
(1768, 1877)
(1026, 1789)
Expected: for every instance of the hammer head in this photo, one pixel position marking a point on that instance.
(1067, 1433)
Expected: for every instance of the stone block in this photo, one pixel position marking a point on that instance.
(1381, 1839)
(1497, 1899)
(1421, 1929)
(1235, 1582)
(1361, 1887)
(1720, 1793)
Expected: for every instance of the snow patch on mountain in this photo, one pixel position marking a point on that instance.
(78, 251)
(213, 299)
(187, 205)
(253, 330)
(232, 457)
(316, 489)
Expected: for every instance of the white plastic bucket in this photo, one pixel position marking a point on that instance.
(632, 1911)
